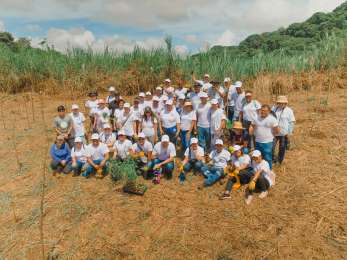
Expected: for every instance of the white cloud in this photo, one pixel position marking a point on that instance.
(181, 50)
(226, 39)
(2, 26)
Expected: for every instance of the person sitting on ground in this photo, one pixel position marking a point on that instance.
(102, 116)
(164, 153)
(286, 121)
(91, 105)
(194, 159)
(217, 121)
(262, 179)
(142, 150)
(61, 156)
(122, 146)
(126, 122)
(79, 156)
(239, 172)
(63, 125)
(188, 124)
(78, 122)
(97, 157)
(149, 125)
(239, 136)
(264, 127)
(219, 160)
(108, 137)
(170, 122)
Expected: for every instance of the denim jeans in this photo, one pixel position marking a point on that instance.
(194, 165)
(266, 151)
(281, 149)
(185, 141)
(90, 169)
(58, 167)
(230, 113)
(250, 138)
(212, 174)
(204, 137)
(167, 168)
(78, 168)
(171, 132)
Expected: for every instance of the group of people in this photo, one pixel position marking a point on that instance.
(218, 129)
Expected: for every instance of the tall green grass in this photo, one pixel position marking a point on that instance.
(144, 68)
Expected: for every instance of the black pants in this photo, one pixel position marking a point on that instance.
(244, 175)
(281, 149)
(250, 138)
(261, 185)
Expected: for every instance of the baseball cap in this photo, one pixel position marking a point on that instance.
(95, 136)
(219, 141)
(206, 76)
(141, 94)
(227, 80)
(148, 93)
(238, 84)
(248, 94)
(237, 148)
(169, 102)
(165, 98)
(126, 105)
(74, 106)
(167, 80)
(203, 95)
(107, 126)
(214, 101)
(194, 140)
(197, 84)
(111, 88)
(142, 135)
(155, 98)
(188, 103)
(158, 88)
(181, 96)
(256, 153)
(165, 138)
(121, 132)
(78, 139)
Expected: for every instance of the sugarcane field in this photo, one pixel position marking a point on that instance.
(120, 141)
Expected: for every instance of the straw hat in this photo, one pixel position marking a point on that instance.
(238, 125)
(282, 99)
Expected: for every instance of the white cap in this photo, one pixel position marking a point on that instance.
(237, 148)
(165, 98)
(165, 138)
(167, 80)
(111, 89)
(214, 101)
(203, 95)
(74, 106)
(227, 80)
(106, 126)
(219, 141)
(238, 84)
(170, 90)
(78, 139)
(101, 101)
(169, 102)
(206, 76)
(181, 96)
(126, 105)
(159, 88)
(121, 132)
(141, 135)
(155, 98)
(194, 140)
(148, 93)
(95, 136)
(256, 153)
(142, 94)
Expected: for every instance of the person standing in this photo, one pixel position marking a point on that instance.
(286, 121)
(91, 105)
(188, 124)
(239, 100)
(230, 101)
(216, 92)
(149, 125)
(170, 122)
(126, 122)
(194, 96)
(203, 122)
(217, 122)
(78, 122)
(102, 116)
(63, 125)
(180, 90)
(264, 127)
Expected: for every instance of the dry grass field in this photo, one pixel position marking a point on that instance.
(65, 217)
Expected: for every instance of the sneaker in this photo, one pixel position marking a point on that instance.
(263, 194)
(225, 196)
(249, 199)
(85, 175)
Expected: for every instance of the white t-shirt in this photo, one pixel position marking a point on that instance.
(263, 128)
(157, 110)
(147, 103)
(122, 148)
(192, 154)
(187, 120)
(146, 147)
(217, 117)
(195, 99)
(264, 167)
(231, 91)
(220, 160)
(164, 154)
(96, 153)
(108, 138)
(239, 100)
(285, 117)
(215, 95)
(91, 105)
(102, 116)
(78, 124)
(148, 126)
(204, 115)
(206, 86)
(80, 155)
(250, 110)
(137, 112)
(242, 160)
(169, 119)
(179, 92)
(126, 123)
(117, 112)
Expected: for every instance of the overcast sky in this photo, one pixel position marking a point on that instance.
(120, 24)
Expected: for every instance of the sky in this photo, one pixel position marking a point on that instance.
(194, 25)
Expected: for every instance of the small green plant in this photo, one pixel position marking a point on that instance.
(123, 170)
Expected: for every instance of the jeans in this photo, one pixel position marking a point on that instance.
(194, 165)
(167, 168)
(250, 138)
(266, 151)
(58, 167)
(171, 132)
(185, 141)
(204, 137)
(281, 149)
(90, 169)
(212, 174)
(230, 113)
(78, 168)
(245, 177)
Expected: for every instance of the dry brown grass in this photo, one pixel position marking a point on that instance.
(302, 218)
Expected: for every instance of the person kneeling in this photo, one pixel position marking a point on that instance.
(79, 158)
(97, 157)
(220, 158)
(61, 156)
(193, 159)
(240, 171)
(122, 146)
(142, 151)
(164, 155)
(263, 178)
